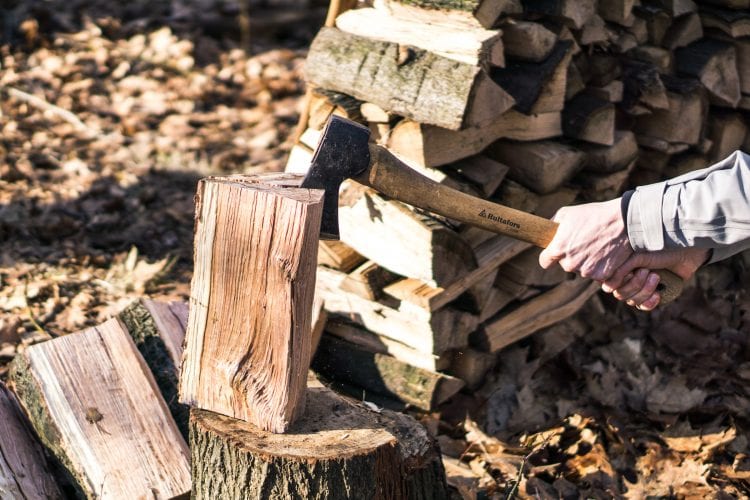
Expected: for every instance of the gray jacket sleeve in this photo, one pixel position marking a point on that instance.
(708, 208)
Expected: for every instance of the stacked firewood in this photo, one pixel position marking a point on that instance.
(535, 105)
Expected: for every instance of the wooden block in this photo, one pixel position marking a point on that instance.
(590, 119)
(574, 13)
(734, 21)
(368, 280)
(616, 11)
(96, 407)
(682, 122)
(445, 37)
(299, 160)
(727, 131)
(526, 81)
(244, 357)
(603, 187)
(431, 332)
(375, 343)
(343, 361)
(412, 244)
(594, 32)
(484, 13)
(659, 57)
(471, 366)
(158, 330)
(485, 173)
(527, 40)
(677, 8)
(540, 166)
(683, 31)
(432, 146)
(386, 454)
(24, 470)
(554, 92)
(612, 92)
(547, 309)
(643, 86)
(405, 80)
(608, 159)
(374, 113)
(338, 255)
(657, 21)
(714, 63)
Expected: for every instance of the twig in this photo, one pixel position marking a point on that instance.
(40, 103)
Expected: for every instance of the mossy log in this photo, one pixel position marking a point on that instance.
(405, 80)
(337, 450)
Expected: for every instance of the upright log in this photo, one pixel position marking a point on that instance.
(96, 407)
(339, 449)
(24, 471)
(247, 347)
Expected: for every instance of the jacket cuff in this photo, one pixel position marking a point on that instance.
(644, 220)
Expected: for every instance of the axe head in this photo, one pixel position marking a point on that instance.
(342, 153)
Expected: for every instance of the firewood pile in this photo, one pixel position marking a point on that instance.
(534, 105)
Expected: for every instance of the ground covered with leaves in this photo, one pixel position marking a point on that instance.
(110, 113)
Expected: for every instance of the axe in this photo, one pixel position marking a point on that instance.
(345, 152)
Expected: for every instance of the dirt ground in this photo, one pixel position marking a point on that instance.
(110, 112)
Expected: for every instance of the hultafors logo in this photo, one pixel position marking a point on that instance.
(493, 217)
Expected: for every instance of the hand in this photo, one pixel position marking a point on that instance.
(635, 283)
(591, 240)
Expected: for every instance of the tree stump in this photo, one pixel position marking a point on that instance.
(337, 450)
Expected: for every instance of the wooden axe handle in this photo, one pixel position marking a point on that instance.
(390, 176)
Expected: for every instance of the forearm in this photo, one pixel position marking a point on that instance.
(709, 208)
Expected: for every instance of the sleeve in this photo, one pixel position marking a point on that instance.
(708, 208)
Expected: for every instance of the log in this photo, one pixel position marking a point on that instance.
(405, 80)
(574, 13)
(432, 146)
(483, 172)
(338, 255)
(540, 166)
(471, 366)
(608, 159)
(643, 87)
(406, 242)
(612, 92)
(158, 330)
(375, 343)
(714, 63)
(616, 11)
(245, 357)
(727, 131)
(486, 13)
(590, 119)
(525, 80)
(602, 187)
(368, 280)
(524, 269)
(593, 32)
(339, 449)
(657, 21)
(683, 31)
(429, 332)
(547, 309)
(527, 41)
(94, 404)
(24, 470)
(446, 37)
(677, 8)
(342, 361)
(734, 21)
(657, 56)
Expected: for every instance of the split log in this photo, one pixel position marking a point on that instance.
(375, 343)
(547, 309)
(540, 166)
(657, 21)
(484, 12)
(683, 31)
(612, 92)
(608, 159)
(643, 86)
(472, 366)
(368, 280)
(406, 242)
(94, 404)
(342, 361)
(158, 330)
(589, 119)
(659, 57)
(326, 102)
(714, 63)
(405, 80)
(677, 8)
(682, 122)
(727, 131)
(338, 255)
(574, 13)
(244, 357)
(432, 146)
(24, 470)
(525, 270)
(527, 40)
(616, 11)
(602, 187)
(339, 449)
(446, 37)
(525, 80)
(594, 32)
(734, 21)
(483, 172)
(374, 113)
(430, 332)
